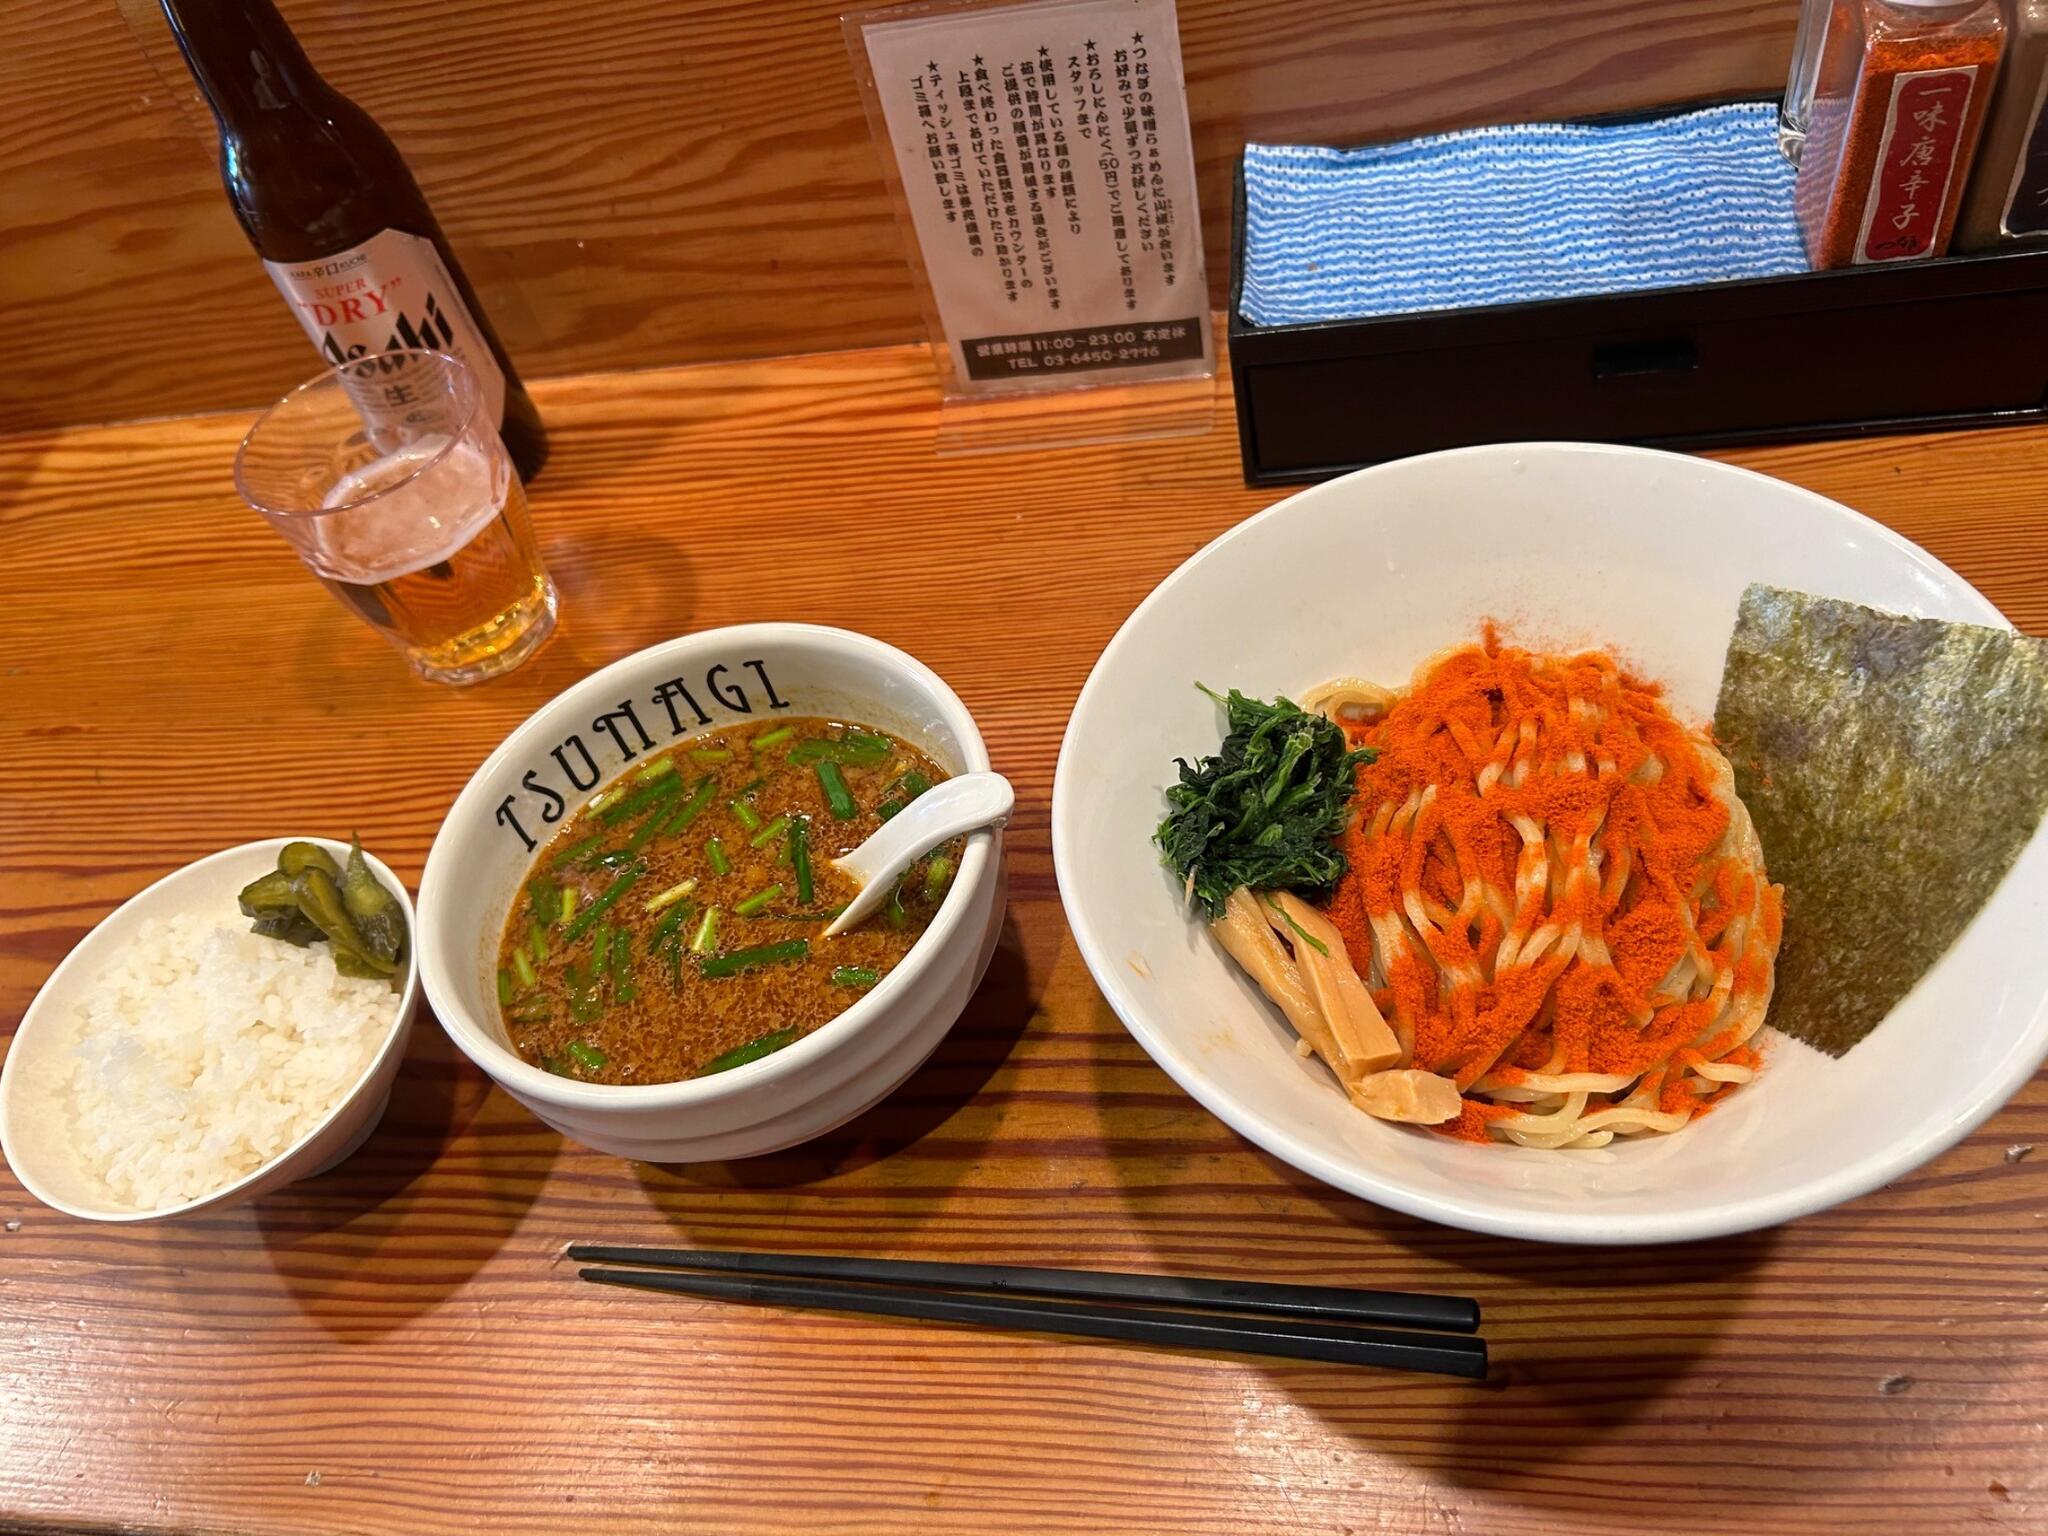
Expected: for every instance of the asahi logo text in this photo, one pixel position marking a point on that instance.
(393, 291)
(432, 332)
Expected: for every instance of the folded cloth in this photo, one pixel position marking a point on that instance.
(1503, 215)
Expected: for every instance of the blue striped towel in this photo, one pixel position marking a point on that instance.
(1502, 215)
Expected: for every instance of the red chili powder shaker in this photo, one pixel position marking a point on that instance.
(1898, 103)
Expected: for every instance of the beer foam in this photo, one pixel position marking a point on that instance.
(418, 522)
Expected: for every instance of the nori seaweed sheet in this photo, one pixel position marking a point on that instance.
(1895, 768)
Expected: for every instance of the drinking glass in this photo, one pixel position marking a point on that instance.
(387, 476)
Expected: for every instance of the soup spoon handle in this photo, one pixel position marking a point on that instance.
(965, 804)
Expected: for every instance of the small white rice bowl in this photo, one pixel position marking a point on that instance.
(176, 1060)
(206, 1052)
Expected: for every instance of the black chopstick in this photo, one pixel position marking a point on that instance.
(1322, 1303)
(1445, 1354)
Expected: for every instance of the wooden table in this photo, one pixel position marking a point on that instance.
(399, 1346)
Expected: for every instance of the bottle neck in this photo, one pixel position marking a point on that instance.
(247, 63)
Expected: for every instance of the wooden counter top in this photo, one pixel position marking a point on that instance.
(399, 1347)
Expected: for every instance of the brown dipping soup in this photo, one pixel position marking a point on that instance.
(672, 927)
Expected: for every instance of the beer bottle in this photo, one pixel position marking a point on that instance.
(327, 201)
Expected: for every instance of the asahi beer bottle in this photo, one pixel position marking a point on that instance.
(327, 201)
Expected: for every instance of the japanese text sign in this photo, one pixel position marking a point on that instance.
(1046, 166)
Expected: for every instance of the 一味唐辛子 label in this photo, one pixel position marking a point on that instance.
(1916, 161)
(1050, 179)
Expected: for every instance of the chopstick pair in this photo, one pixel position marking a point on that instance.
(1331, 1324)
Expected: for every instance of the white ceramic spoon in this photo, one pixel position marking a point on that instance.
(965, 804)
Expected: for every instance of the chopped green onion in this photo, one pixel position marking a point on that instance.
(671, 896)
(623, 990)
(576, 850)
(1300, 932)
(854, 976)
(601, 948)
(769, 833)
(901, 793)
(894, 911)
(689, 810)
(544, 898)
(602, 904)
(936, 874)
(537, 942)
(800, 858)
(859, 748)
(641, 799)
(583, 1001)
(714, 850)
(644, 833)
(588, 1057)
(655, 769)
(534, 1014)
(753, 784)
(505, 992)
(746, 815)
(787, 952)
(606, 796)
(678, 915)
(708, 757)
(524, 967)
(774, 738)
(618, 858)
(838, 798)
(753, 1050)
(757, 901)
(706, 937)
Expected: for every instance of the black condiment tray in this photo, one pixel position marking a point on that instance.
(1961, 341)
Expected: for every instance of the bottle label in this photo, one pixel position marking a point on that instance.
(1916, 161)
(2026, 205)
(391, 291)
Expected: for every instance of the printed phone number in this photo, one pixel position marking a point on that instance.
(1165, 341)
(1095, 356)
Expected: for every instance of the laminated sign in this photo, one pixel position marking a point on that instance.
(1044, 161)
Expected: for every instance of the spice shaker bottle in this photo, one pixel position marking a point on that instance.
(2006, 203)
(1899, 99)
(1796, 110)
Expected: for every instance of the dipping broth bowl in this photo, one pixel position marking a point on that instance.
(579, 742)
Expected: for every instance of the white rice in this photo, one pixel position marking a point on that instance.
(208, 1051)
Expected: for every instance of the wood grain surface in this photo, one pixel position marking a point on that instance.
(399, 1347)
(669, 181)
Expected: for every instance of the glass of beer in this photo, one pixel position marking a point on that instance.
(390, 481)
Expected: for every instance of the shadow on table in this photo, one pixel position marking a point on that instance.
(1583, 1341)
(950, 1078)
(327, 1235)
(620, 590)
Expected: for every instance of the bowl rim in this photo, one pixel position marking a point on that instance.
(522, 1078)
(408, 1006)
(2022, 1059)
